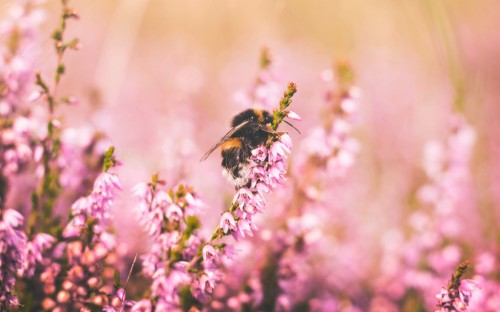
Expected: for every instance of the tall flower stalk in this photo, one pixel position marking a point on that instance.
(180, 263)
(18, 46)
(433, 246)
(267, 171)
(13, 244)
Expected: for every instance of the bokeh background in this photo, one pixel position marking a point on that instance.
(161, 80)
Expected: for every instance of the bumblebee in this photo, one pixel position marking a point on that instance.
(249, 129)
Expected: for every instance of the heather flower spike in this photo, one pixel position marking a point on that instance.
(50, 187)
(286, 100)
(267, 170)
(13, 244)
(458, 293)
(182, 266)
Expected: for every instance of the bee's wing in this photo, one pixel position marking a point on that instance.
(224, 139)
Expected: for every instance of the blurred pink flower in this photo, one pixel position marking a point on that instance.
(13, 243)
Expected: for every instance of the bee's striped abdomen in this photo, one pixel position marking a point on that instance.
(235, 154)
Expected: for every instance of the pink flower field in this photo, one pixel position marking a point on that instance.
(266, 155)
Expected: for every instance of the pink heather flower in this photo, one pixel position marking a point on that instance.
(35, 249)
(174, 212)
(170, 237)
(286, 140)
(209, 253)
(259, 154)
(143, 305)
(142, 191)
(191, 247)
(195, 204)
(467, 286)
(167, 286)
(265, 93)
(12, 219)
(74, 228)
(257, 174)
(86, 254)
(485, 263)
(278, 151)
(17, 64)
(245, 228)
(227, 222)
(155, 222)
(332, 144)
(349, 105)
(207, 282)
(151, 210)
(293, 115)
(162, 200)
(267, 171)
(443, 297)
(457, 297)
(276, 174)
(248, 201)
(82, 205)
(107, 184)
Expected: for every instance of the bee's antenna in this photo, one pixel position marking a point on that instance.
(292, 126)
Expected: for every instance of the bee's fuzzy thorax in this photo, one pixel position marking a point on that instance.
(249, 114)
(260, 114)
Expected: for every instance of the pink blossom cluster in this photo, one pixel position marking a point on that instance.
(267, 89)
(270, 271)
(436, 224)
(295, 269)
(326, 154)
(488, 298)
(95, 208)
(18, 145)
(18, 34)
(267, 171)
(333, 145)
(88, 248)
(35, 252)
(447, 166)
(79, 159)
(179, 259)
(457, 295)
(17, 140)
(456, 299)
(13, 244)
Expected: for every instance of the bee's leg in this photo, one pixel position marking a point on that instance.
(267, 129)
(271, 131)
